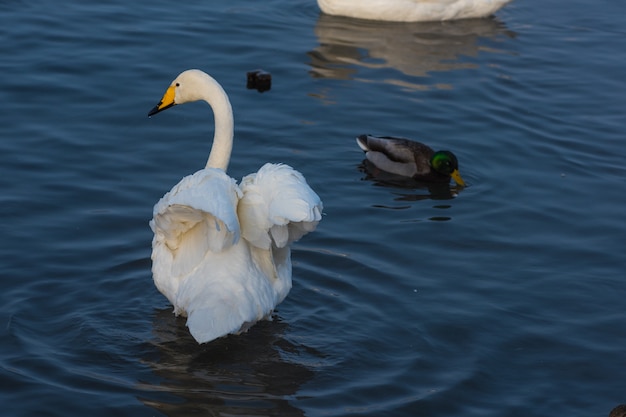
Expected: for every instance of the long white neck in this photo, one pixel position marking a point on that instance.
(213, 93)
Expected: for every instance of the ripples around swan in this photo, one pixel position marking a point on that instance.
(503, 298)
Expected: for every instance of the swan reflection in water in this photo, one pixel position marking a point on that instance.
(248, 374)
(415, 49)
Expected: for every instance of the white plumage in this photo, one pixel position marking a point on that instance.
(220, 251)
(411, 10)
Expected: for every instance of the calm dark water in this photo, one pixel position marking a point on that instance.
(505, 298)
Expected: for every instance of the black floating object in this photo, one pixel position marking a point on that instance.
(259, 80)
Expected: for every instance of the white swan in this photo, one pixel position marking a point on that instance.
(220, 252)
(411, 10)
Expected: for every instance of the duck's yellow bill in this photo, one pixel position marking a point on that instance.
(457, 178)
(166, 102)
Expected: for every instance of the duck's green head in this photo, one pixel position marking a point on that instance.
(444, 162)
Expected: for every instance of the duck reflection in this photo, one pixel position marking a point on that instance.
(408, 189)
(236, 375)
(415, 49)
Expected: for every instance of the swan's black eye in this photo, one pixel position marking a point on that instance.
(177, 84)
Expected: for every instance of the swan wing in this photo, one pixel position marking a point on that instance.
(198, 215)
(277, 206)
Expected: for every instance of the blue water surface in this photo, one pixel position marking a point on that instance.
(503, 298)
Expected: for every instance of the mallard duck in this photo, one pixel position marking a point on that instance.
(220, 251)
(411, 10)
(409, 158)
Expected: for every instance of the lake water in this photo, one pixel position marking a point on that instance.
(505, 298)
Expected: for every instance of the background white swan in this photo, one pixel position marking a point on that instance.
(220, 252)
(411, 10)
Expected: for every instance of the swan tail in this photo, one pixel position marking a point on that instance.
(223, 307)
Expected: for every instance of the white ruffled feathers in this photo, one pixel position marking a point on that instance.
(221, 251)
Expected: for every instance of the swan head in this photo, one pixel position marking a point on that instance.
(195, 85)
(184, 89)
(445, 162)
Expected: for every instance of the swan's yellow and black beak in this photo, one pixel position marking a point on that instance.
(166, 102)
(456, 176)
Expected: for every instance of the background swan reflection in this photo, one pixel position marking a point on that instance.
(415, 49)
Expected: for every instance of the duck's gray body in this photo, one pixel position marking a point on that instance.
(401, 156)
